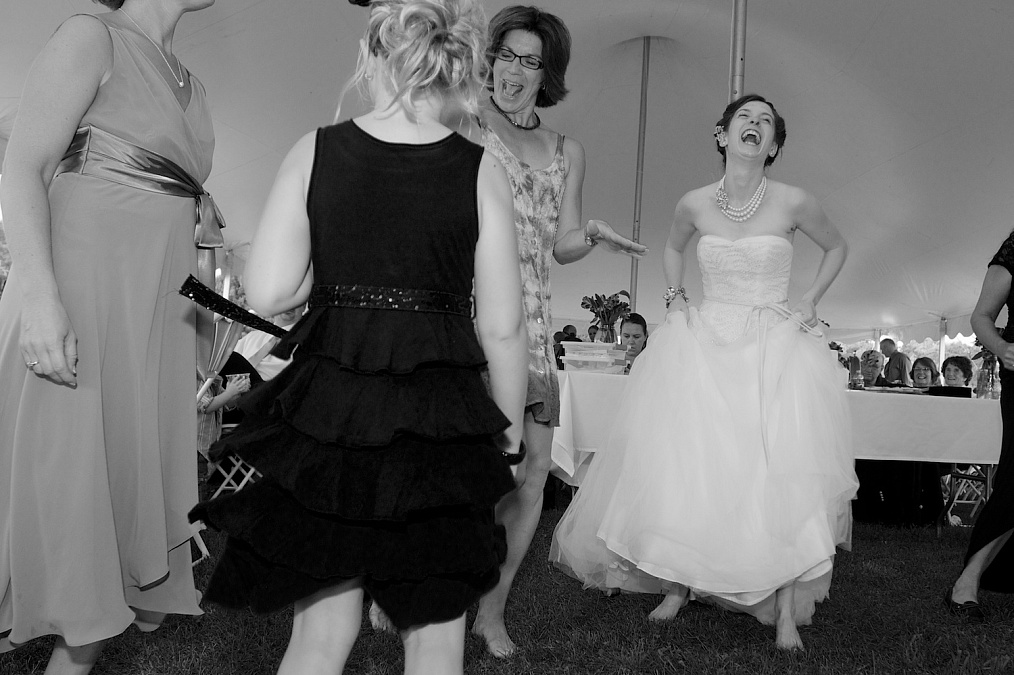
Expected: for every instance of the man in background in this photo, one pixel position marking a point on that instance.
(898, 368)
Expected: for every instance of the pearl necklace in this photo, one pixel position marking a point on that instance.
(538, 122)
(743, 213)
(179, 79)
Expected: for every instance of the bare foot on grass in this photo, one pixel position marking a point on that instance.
(498, 642)
(670, 606)
(380, 621)
(787, 636)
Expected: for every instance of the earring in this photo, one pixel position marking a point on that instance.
(720, 136)
(773, 151)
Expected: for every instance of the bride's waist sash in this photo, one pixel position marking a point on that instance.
(383, 297)
(780, 307)
(100, 154)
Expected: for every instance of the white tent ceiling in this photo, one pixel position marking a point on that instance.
(899, 113)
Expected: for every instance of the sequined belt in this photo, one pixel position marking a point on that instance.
(382, 297)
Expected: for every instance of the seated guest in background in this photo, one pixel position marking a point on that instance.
(593, 330)
(871, 364)
(924, 373)
(633, 336)
(893, 492)
(957, 371)
(898, 368)
(256, 345)
(571, 330)
(558, 347)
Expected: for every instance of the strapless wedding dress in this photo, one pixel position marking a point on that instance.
(730, 466)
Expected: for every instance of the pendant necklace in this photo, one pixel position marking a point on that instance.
(179, 80)
(500, 110)
(743, 213)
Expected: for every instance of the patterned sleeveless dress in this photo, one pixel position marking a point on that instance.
(538, 195)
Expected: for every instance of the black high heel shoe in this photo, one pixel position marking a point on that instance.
(968, 610)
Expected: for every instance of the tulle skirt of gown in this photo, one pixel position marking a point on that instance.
(729, 470)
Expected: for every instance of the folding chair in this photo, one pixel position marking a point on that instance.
(235, 472)
(971, 485)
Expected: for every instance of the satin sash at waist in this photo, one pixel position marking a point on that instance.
(100, 154)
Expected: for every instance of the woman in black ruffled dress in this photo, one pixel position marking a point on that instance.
(383, 451)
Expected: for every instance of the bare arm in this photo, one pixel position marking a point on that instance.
(61, 86)
(680, 233)
(233, 389)
(499, 315)
(810, 218)
(570, 243)
(278, 273)
(995, 289)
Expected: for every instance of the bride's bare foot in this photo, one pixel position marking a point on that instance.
(380, 621)
(494, 632)
(786, 633)
(670, 606)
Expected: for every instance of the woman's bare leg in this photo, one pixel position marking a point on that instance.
(671, 604)
(519, 512)
(436, 648)
(786, 632)
(67, 660)
(324, 628)
(966, 588)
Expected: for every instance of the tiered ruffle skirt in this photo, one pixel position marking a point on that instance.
(378, 451)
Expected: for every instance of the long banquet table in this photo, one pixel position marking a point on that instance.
(885, 425)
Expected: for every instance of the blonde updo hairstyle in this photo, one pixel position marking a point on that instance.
(429, 47)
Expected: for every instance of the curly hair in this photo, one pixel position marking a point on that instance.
(961, 362)
(730, 111)
(434, 47)
(555, 47)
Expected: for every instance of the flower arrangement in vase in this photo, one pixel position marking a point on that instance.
(607, 309)
(987, 384)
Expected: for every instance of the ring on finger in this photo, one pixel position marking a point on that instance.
(31, 364)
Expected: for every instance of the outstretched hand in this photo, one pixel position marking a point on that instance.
(48, 343)
(614, 243)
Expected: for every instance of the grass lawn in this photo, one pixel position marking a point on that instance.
(885, 615)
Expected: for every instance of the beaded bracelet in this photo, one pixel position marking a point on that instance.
(671, 293)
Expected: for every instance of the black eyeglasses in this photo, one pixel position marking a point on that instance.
(529, 61)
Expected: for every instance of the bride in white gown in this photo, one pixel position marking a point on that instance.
(729, 472)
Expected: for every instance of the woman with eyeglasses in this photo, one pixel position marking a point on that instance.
(528, 54)
(924, 373)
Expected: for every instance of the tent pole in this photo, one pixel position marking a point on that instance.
(639, 175)
(737, 65)
(943, 336)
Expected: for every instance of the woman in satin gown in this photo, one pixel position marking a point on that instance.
(98, 464)
(728, 473)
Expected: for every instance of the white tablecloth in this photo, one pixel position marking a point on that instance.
(885, 425)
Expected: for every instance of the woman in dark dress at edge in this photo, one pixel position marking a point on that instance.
(382, 451)
(989, 562)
